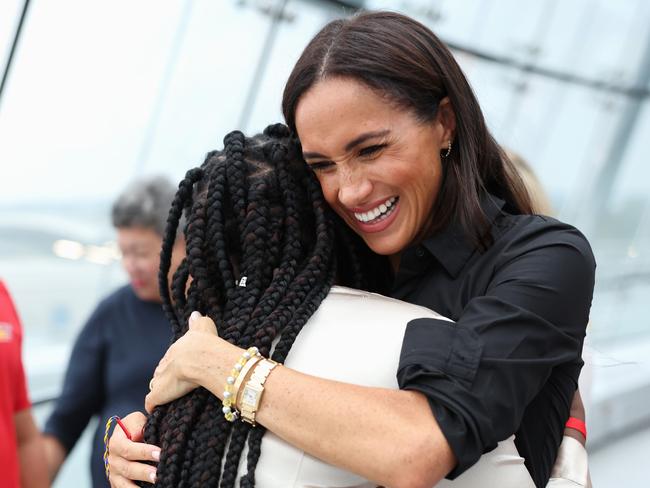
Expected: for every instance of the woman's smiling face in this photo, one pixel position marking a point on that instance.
(378, 165)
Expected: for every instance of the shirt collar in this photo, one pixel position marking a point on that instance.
(451, 247)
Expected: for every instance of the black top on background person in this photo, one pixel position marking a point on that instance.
(109, 369)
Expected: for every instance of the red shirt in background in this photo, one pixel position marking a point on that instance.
(13, 389)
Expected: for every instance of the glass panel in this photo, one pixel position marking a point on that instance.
(207, 84)
(80, 96)
(621, 241)
(307, 17)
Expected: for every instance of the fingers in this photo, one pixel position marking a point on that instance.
(125, 458)
(138, 451)
(127, 451)
(158, 397)
(120, 482)
(119, 447)
(200, 323)
(156, 385)
(154, 398)
(124, 472)
(135, 422)
(149, 403)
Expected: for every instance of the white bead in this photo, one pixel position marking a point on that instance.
(226, 394)
(225, 410)
(246, 355)
(238, 367)
(256, 349)
(230, 380)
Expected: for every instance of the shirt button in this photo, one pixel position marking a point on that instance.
(419, 252)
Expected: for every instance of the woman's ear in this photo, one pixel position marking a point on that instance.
(447, 119)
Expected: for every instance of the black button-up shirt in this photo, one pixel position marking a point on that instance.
(510, 363)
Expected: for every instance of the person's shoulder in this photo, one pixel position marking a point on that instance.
(365, 302)
(117, 296)
(110, 303)
(525, 233)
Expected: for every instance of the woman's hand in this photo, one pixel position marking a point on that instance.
(194, 359)
(125, 458)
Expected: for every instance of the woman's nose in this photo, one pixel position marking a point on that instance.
(355, 188)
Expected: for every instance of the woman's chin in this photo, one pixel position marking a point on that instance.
(145, 294)
(383, 246)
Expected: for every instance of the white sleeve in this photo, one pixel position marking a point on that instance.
(571, 469)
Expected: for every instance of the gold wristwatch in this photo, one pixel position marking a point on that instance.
(251, 395)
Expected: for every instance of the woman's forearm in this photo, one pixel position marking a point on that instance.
(388, 436)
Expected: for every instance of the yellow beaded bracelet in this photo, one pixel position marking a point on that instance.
(247, 360)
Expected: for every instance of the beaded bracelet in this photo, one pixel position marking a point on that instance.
(247, 360)
(109, 422)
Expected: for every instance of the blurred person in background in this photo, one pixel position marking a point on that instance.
(539, 198)
(120, 345)
(22, 455)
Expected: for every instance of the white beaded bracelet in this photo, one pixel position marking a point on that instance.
(239, 371)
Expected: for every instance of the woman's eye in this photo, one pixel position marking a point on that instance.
(321, 166)
(371, 150)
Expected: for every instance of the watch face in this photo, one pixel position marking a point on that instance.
(249, 397)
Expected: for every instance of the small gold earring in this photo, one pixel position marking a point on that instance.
(446, 155)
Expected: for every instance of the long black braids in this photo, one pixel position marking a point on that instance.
(261, 256)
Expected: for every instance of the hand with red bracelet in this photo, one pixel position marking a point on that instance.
(127, 457)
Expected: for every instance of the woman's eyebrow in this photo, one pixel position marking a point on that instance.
(312, 155)
(350, 145)
(364, 137)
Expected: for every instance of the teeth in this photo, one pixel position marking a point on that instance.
(376, 212)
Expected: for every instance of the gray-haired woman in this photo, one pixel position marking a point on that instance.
(118, 348)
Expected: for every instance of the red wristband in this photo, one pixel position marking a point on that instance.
(577, 424)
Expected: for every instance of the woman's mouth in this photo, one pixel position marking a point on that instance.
(377, 214)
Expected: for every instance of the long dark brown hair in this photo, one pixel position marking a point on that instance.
(405, 62)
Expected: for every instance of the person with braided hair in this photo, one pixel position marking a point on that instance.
(263, 256)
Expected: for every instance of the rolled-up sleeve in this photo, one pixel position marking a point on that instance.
(480, 373)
